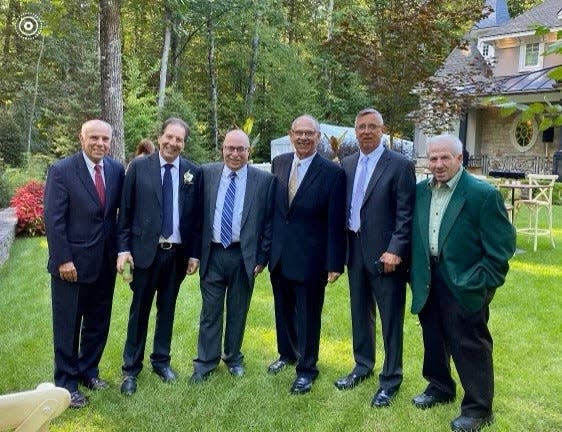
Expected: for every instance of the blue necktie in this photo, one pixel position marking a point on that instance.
(228, 212)
(357, 201)
(167, 203)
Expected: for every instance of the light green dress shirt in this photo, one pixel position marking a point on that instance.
(440, 197)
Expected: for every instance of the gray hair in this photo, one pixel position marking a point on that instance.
(311, 118)
(455, 144)
(366, 111)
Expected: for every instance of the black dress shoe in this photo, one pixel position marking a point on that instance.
(78, 400)
(470, 424)
(95, 383)
(129, 385)
(350, 381)
(198, 378)
(236, 370)
(277, 366)
(425, 401)
(383, 397)
(301, 385)
(166, 374)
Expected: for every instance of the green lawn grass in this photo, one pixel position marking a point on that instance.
(525, 321)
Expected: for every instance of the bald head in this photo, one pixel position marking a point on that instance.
(236, 149)
(95, 139)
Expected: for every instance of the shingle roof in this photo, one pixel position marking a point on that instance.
(545, 14)
(499, 16)
(465, 64)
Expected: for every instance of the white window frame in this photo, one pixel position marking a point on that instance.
(532, 139)
(523, 55)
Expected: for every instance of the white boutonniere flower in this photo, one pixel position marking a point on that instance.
(188, 178)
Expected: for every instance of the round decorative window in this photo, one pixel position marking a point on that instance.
(524, 134)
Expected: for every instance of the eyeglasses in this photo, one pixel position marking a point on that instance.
(230, 149)
(371, 127)
(306, 134)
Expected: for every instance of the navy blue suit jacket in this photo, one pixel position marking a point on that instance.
(78, 228)
(309, 235)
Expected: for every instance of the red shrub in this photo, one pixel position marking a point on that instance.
(28, 202)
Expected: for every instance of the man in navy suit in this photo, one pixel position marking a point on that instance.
(380, 205)
(308, 248)
(160, 237)
(237, 210)
(82, 194)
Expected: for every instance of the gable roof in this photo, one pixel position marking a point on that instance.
(546, 14)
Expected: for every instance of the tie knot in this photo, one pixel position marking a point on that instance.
(97, 168)
(232, 175)
(364, 160)
(168, 167)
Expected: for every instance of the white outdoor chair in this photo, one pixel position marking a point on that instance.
(31, 411)
(540, 197)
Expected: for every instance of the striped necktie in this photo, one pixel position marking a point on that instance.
(357, 202)
(228, 212)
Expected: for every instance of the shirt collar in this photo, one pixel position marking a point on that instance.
(374, 155)
(91, 164)
(241, 173)
(451, 184)
(163, 162)
(304, 161)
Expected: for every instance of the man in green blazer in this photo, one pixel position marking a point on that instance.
(461, 243)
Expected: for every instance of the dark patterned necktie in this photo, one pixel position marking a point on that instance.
(167, 202)
(228, 212)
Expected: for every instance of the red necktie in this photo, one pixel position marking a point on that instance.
(100, 188)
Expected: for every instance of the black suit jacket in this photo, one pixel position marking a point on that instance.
(140, 215)
(255, 230)
(309, 235)
(387, 209)
(78, 228)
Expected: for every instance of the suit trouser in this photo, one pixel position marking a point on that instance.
(225, 276)
(367, 292)
(163, 278)
(81, 318)
(298, 311)
(449, 330)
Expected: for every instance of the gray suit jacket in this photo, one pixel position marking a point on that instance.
(256, 224)
(388, 206)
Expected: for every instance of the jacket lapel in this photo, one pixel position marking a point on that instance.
(350, 173)
(251, 182)
(423, 202)
(453, 210)
(84, 175)
(381, 166)
(213, 188)
(155, 173)
(309, 177)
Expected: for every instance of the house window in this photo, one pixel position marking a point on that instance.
(485, 50)
(524, 134)
(530, 56)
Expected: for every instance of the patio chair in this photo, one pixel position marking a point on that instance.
(540, 197)
(31, 411)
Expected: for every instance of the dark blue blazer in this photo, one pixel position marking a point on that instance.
(78, 228)
(140, 215)
(309, 235)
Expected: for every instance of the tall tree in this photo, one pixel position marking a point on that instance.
(111, 74)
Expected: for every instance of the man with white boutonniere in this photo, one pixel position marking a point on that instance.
(159, 237)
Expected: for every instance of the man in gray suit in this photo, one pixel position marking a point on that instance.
(380, 203)
(237, 211)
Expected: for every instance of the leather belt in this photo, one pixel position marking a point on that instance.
(168, 245)
(230, 246)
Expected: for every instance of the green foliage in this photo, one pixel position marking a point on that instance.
(517, 7)
(140, 110)
(5, 191)
(11, 140)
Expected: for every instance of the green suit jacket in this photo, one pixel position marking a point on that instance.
(476, 241)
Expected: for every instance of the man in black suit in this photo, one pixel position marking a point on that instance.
(82, 194)
(308, 248)
(380, 204)
(159, 235)
(237, 210)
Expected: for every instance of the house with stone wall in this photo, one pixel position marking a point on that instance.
(506, 55)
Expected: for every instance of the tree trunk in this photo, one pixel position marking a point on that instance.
(213, 82)
(111, 74)
(11, 14)
(253, 66)
(34, 103)
(164, 59)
